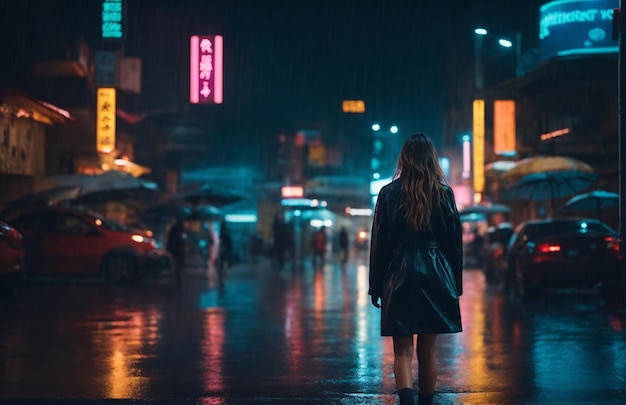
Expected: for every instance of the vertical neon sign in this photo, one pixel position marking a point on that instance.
(105, 116)
(478, 138)
(504, 127)
(467, 157)
(112, 19)
(206, 69)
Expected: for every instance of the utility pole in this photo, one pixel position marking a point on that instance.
(619, 31)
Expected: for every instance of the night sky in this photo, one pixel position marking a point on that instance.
(287, 62)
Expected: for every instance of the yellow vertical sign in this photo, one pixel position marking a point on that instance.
(478, 143)
(504, 127)
(105, 120)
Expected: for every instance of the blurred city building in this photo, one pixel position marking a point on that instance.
(552, 92)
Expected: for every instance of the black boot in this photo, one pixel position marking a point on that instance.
(424, 399)
(407, 396)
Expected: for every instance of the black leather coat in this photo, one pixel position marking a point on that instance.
(417, 274)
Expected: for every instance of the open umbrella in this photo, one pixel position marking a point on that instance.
(206, 213)
(209, 194)
(50, 196)
(486, 209)
(549, 186)
(594, 201)
(35, 200)
(111, 180)
(167, 211)
(109, 186)
(540, 164)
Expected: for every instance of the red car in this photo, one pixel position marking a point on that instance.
(60, 241)
(11, 255)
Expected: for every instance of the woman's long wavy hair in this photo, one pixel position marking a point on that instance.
(422, 179)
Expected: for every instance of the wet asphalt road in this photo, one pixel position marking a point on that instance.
(294, 337)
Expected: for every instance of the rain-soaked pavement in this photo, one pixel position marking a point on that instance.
(294, 337)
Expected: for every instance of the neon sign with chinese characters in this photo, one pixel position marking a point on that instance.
(112, 19)
(105, 117)
(478, 153)
(206, 69)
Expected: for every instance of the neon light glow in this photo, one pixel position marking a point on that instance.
(112, 19)
(292, 191)
(479, 145)
(105, 120)
(573, 27)
(206, 69)
(376, 185)
(241, 218)
(467, 158)
(353, 106)
(444, 163)
(504, 129)
(359, 212)
(299, 202)
(317, 223)
(554, 134)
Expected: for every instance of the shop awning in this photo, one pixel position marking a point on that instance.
(20, 104)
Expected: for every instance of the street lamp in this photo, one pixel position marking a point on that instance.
(383, 149)
(479, 37)
(478, 106)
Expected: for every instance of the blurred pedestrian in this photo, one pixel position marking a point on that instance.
(224, 253)
(257, 244)
(343, 245)
(280, 238)
(318, 245)
(416, 262)
(176, 245)
(478, 248)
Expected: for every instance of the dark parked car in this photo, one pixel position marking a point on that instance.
(563, 252)
(11, 255)
(59, 241)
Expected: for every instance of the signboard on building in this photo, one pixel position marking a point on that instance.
(130, 75)
(19, 145)
(105, 68)
(571, 27)
(105, 120)
(353, 106)
(478, 143)
(112, 20)
(504, 127)
(206, 69)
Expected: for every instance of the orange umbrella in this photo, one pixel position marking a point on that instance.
(542, 164)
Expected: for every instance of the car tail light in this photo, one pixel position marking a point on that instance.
(614, 245)
(548, 248)
(544, 251)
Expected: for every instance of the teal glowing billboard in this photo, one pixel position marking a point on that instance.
(573, 27)
(112, 20)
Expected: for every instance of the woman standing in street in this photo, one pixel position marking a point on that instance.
(416, 263)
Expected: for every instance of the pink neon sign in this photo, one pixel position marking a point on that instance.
(206, 69)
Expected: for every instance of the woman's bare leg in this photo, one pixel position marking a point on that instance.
(403, 357)
(426, 363)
